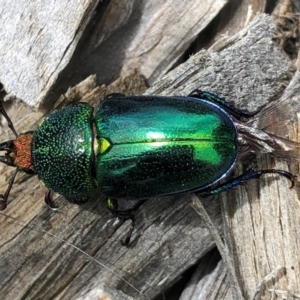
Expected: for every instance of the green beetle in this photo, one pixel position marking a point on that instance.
(134, 147)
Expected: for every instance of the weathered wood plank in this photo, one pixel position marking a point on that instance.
(37, 43)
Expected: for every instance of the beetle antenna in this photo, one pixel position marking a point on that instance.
(9, 122)
(3, 201)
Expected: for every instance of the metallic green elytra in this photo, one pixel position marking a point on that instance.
(158, 146)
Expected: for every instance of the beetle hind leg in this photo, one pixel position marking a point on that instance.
(240, 180)
(114, 95)
(227, 106)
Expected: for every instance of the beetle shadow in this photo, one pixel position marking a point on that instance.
(85, 60)
(156, 216)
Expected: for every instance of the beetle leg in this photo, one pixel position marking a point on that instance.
(114, 95)
(124, 215)
(9, 122)
(228, 107)
(126, 240)
(240, 180)
(112, 204)
(3, 201)
(49, 201)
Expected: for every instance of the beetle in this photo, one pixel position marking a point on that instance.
(134, 147)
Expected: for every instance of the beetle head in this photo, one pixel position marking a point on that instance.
(17, 154)
(18, 151)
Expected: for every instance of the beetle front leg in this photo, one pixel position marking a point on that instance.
(3, 201)
(123, 215)
(49, 201)
(251, 174)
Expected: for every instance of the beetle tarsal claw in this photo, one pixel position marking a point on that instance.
(3, 202)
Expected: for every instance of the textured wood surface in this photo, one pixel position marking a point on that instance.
(47, 47)
(258, 223)
(38, 40)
